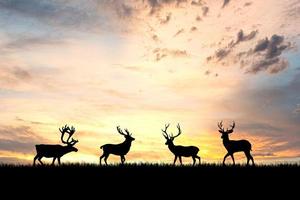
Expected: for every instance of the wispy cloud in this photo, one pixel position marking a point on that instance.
(180, 31)
(93, 16)
(193, 29)
(166, 19)
(27, 42)
(155, 38)
(163, 53)
(198, 18)
(273, 47)
(267, 53)
(292, 10)
(205, 10)
(265, 56)
(258, 126)
(225, 3)
(31, 122)
(13, 160)
(20, 73)
(156, 5)
(18, 139)
(222, 53)
(297, 109)
(241, 37)
(14, 75)
(273, 66)
(116, 93)
(248, 3)
(197, 3)
(264, 154)
(31, 79)
(130, 68)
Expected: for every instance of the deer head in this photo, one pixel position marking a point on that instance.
(66, 129)
(127, 135)
(168, 137)
(228, 131)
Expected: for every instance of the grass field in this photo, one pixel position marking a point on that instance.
(155, 178)
(152, 171)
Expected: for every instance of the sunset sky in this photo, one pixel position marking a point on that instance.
(96, 64)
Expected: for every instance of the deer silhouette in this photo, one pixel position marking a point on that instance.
(56, 151)
(117, 149)
(233, 146)
(178, 150)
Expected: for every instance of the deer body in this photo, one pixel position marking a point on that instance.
(117, 149)
(178, 150)
(56, 151)
(52, 150)
(233, 146)
(185, 151)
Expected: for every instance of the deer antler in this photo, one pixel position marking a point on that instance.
(179, 131)
(70, 131)
(126, 130)
(220, 125)
(64, 130)
(165, 134)
(120, 131)
(231, 128)
(73, 142)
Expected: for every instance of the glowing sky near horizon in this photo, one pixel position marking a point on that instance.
(96, 64)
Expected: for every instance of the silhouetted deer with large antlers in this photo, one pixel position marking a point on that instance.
(56, 151)
(117, 149)
(178, 150)
(233, 146)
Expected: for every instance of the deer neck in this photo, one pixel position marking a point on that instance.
(171, 146)
(127, 143)
(226, 141)
(67, 149)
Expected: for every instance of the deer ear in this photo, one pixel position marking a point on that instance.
(229, 131)
(221, 131)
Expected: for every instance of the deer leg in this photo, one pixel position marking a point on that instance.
(122, 159)
(249, 157)
(225, 158)
(252, 159)
(105, 158)
(35, 159)
(175, 160)
(194, 160)
(58, 159)
(198, 159)
(232, 159)
(40, 160)
(180, 160)
(53, 160)
(101, 158)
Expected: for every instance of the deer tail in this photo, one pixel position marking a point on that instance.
(102, 147)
